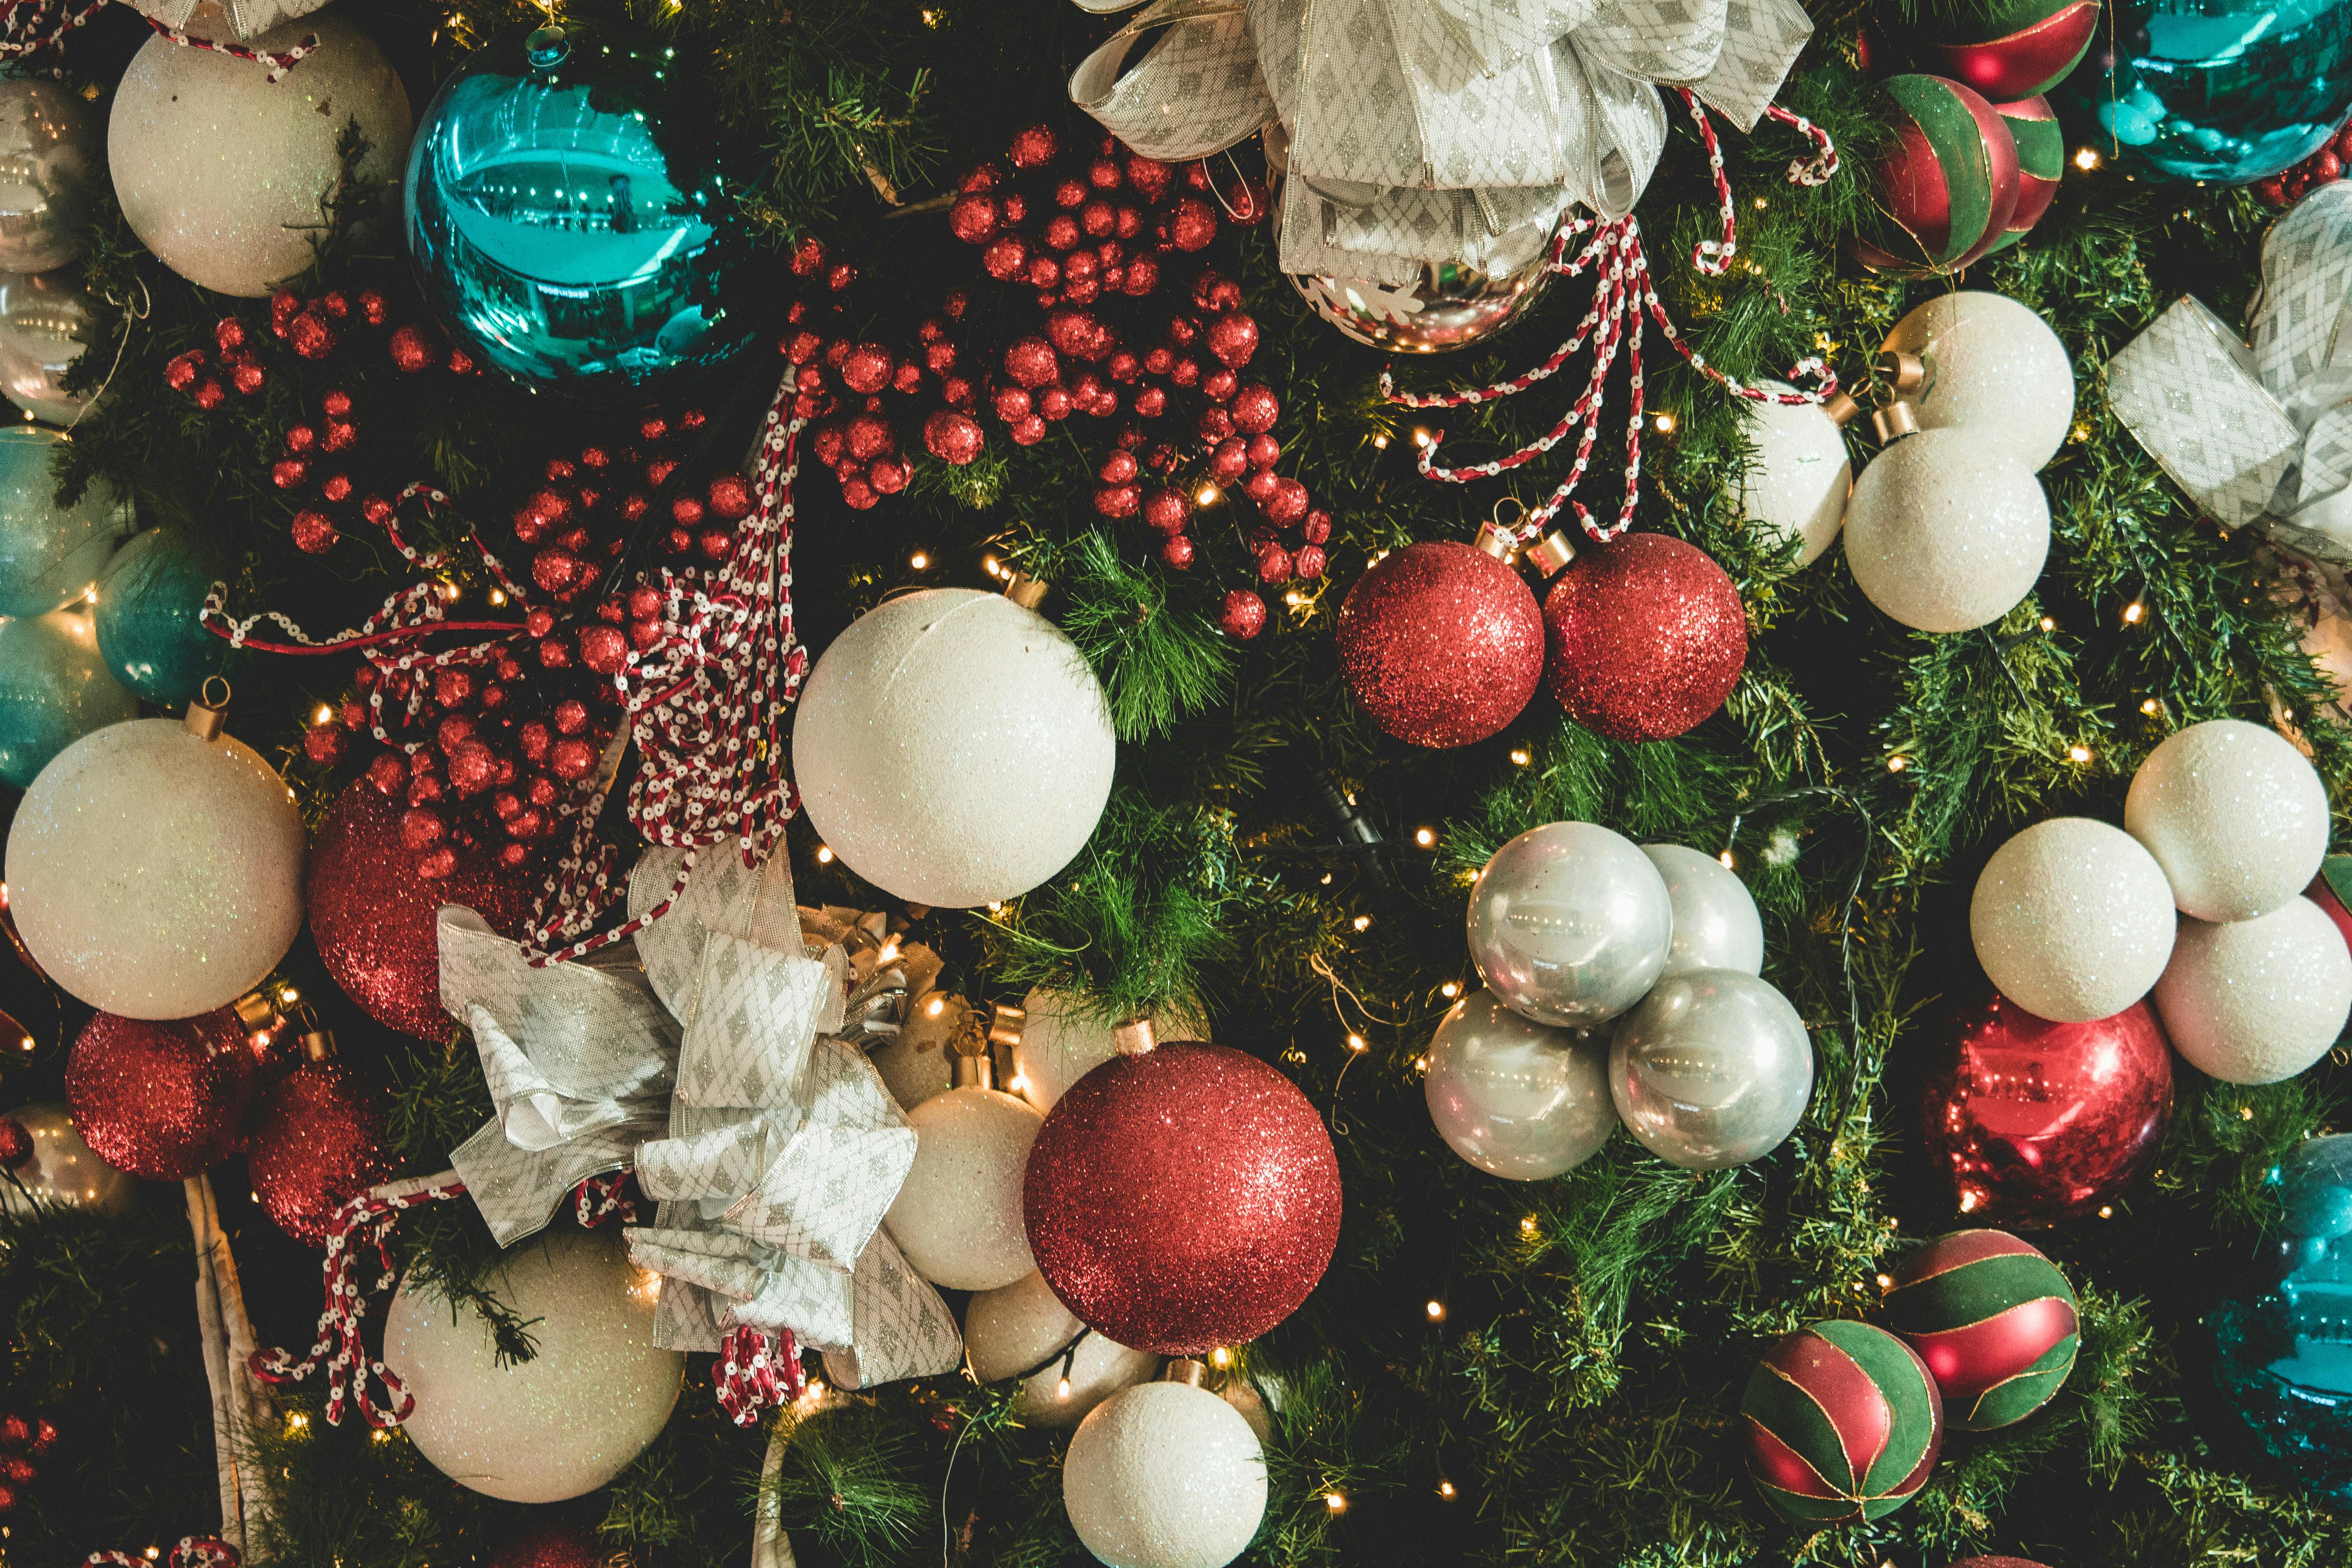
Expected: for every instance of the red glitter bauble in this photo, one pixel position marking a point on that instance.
(953, 437)
(373, 917)
(867, 368)
(162, 1100)
(1182, 1199)
(1233, 338)
(1031, 362)
(1648, 637)
(553, 1546)
(1441, 643)
(317, 1142)
(2036, 1120)
(1193, 225)
(1033, 147)
(1245, 612)
(973, 217)
(1996, 1562)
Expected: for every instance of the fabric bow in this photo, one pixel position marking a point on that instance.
(1418, 131)
(2260, 436)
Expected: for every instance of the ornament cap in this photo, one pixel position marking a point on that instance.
(207, 715)
(1188, 1370)
(318, 1044)
(1843, 409)
(1906, 373)
(548, 48)
(1496, 543)
(1894, 422)
(1553, 551)
(254, 1010)
(1024, 590)
(1005, 1025)
(970, 1072)
(1133, 1037)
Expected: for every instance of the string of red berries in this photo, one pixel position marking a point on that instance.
(2290, 186)
(23, 1440)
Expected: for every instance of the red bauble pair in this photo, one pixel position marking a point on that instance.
(1442, 644)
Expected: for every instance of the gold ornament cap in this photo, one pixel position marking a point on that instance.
(1187, 1370)
(1894, 422)
(255, 1010)
(1133, 1037)
(1842, 410)
(1553, 551)
(1904, 373)
(1496, 543)
(1005, 1024)
(206, 715)
(1024, 590)
(972, 1071)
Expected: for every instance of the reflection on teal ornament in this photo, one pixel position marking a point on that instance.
(2230, 91)
(2283, 1352)
(146, 616)
(49, 555)
(569, 223)
(54, 690)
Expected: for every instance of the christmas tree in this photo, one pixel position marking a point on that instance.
(756, 622)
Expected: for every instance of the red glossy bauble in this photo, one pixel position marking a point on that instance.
(1182, 1199)
(1648, 636)
(319, 1140)
(1996, 1562)
(1441, 643)
(2036, 1120)
(162, 1100)
(554, 1546)
(373, 917)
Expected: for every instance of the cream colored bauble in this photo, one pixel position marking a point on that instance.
(1164, 1475)
(1715, 923)
(2072, 920)
(1021, 1330)
(1796, 484)
(155, 874)
(572, 1416)
(914, 1063)
(221, 171)
(2260, 1000)
(1942, 538)
(953, 748)
(62, 1169)
(1062, 1040)
(722, 894)
(1995, 370)
(2235, 816)
(958, 1216)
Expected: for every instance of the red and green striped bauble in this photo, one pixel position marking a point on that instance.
(1843, 1423)
(1995, 1562)
(1949, 186)
(2013, 48)
(2040, 164)
(1993, 1319)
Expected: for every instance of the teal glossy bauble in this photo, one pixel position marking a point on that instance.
(49, 555)
(2226, 91)
(568, 219)
(146, 616)
(54, 690)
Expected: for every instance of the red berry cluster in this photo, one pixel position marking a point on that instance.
(574, 521)
(2289, 186)
(314, 465)
(23, 1440)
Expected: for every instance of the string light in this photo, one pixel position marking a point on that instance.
(1436, 1311)
(2132, 612)
(2078, 753)
(26, 1044)
(918, 561)
(1726, 860)
(1062, 1389)
(1449, 989)
(1331, 1500)
(1362, 922)
(1379, 443)
(1520, 757)
(1421, 438)
(1445, 1488)
(1528, 1225)
(1221, 1356)
(2151, 707)
(1424, 837)
(1206, 495)
(2086, 159)
(2047, 625)
(989, 564)
(1886, 1282)
(322, 714)
(1665, 423)
(2106, 1210)
(1898, 762)
(1358, 1043)
(824, 856)
(288, 997)
(498, 596)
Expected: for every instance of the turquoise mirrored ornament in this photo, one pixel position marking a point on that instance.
(146, 616)
(2227, 92)
(49, 555)
(54, 690)
(2284, 1354)
(569, 221)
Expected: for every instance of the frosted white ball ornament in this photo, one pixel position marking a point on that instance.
(2072, 920)
(50, 154)
(2235, 816)
(571, 1418)
(1164, 1475)
(1515, 1097)
(953, 748)
(1995, 370)
(1021, 1330)
(2257, 1001)
(1062, 1041)
(1569, 923)
(155, 873)
(1715, 923)
(221, 171)
(1796, 483)
(958, 1216)
(1943, 538)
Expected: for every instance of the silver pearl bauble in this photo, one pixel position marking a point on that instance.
(61, 1170)
(50, 149)
(1716, 923)
(1712, 1070)
(43, 317)
(1452, 306)
(1514, 1097)
(1571, 924)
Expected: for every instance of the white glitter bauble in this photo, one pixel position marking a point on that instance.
(1943, 538)
(1514, 1097)
(1164, 1475)
(1796, 484)
(1062, 1041)
(2257, 1001)
(566, 1421)
(1995, 370)
(1715, 923)
(1024, 1328)
(220, 171)
(155, 874)
(50, 154)
(2235, 816)
(953, 748)
(2072, 920)
(43, 316)
(62, 1169)
(958, 1216)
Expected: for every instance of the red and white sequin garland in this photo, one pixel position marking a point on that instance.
(755, 1371)
(278, 61)
(28, 27)
(193, 1551)
(1622, 295)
